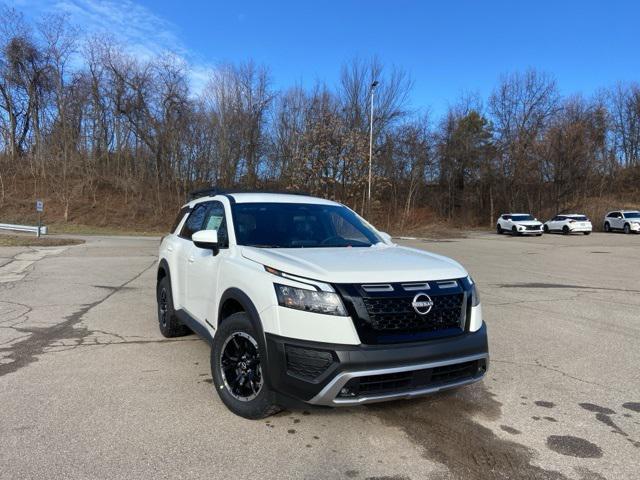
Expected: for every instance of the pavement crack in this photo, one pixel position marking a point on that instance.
(39, 341)
(556, 370)
(61, 348)
(538, 300)
(555, 286)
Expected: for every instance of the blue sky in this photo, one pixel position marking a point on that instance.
(449, 48)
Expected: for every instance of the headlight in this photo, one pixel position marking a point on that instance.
(328, 303)
(475, 295)
(470, 286)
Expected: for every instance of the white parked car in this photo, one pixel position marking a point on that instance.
(569, 223)
(301, 298)
(626, 220)
(519, 224)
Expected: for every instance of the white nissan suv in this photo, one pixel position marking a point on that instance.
(303, 300)
(518, 224)
(626, 220)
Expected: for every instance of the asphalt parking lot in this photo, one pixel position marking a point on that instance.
(89, 388)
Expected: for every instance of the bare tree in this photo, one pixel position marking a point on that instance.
(96, 130)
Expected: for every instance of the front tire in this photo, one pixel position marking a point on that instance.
(499, 229)
(627, 228)
(168, 322)
(514, 231)
(607, 227)
(237, 370)
(546, 229)
(565, 230)
(586, 233)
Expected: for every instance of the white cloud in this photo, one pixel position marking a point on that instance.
(199, 76)
(142, 33)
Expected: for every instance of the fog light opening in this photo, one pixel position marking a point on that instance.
(347, 392)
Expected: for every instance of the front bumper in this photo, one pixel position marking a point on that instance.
(530, 232)
(343, 375)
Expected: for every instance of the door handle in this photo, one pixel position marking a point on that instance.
(191, 259)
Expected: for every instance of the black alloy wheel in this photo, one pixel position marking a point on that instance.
(240, 369)
(163, 307)
(240, 366)
(168, 321)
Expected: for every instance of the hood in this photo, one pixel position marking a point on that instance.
(377, 264)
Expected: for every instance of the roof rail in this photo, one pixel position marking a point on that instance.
(204, 192)
(212, 191)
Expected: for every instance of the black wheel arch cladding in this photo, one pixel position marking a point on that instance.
(251, 311)
(163, 270)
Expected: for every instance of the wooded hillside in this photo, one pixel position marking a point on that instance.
(109, 139)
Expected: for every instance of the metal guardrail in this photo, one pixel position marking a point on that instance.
(24, 228)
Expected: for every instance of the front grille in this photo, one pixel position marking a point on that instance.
(532, 227)
(306, 363)
(411, 380)
(397, 314)
(387, 317)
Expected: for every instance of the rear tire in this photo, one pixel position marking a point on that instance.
(238, 375)
(169, 324)
(607, 227)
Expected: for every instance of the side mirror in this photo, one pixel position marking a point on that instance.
(207, 239)
(386, 237)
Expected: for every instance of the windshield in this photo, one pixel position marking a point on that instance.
(631, 214)
(300, 225)
(521, 218)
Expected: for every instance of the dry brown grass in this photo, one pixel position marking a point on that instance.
(109, 214)
(33, 241)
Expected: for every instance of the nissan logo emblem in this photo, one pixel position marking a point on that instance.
(422, 303)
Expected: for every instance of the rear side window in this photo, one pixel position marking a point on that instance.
(183, 211)
(195, 221)
(215, 220)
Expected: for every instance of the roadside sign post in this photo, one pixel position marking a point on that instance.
(39, 209)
